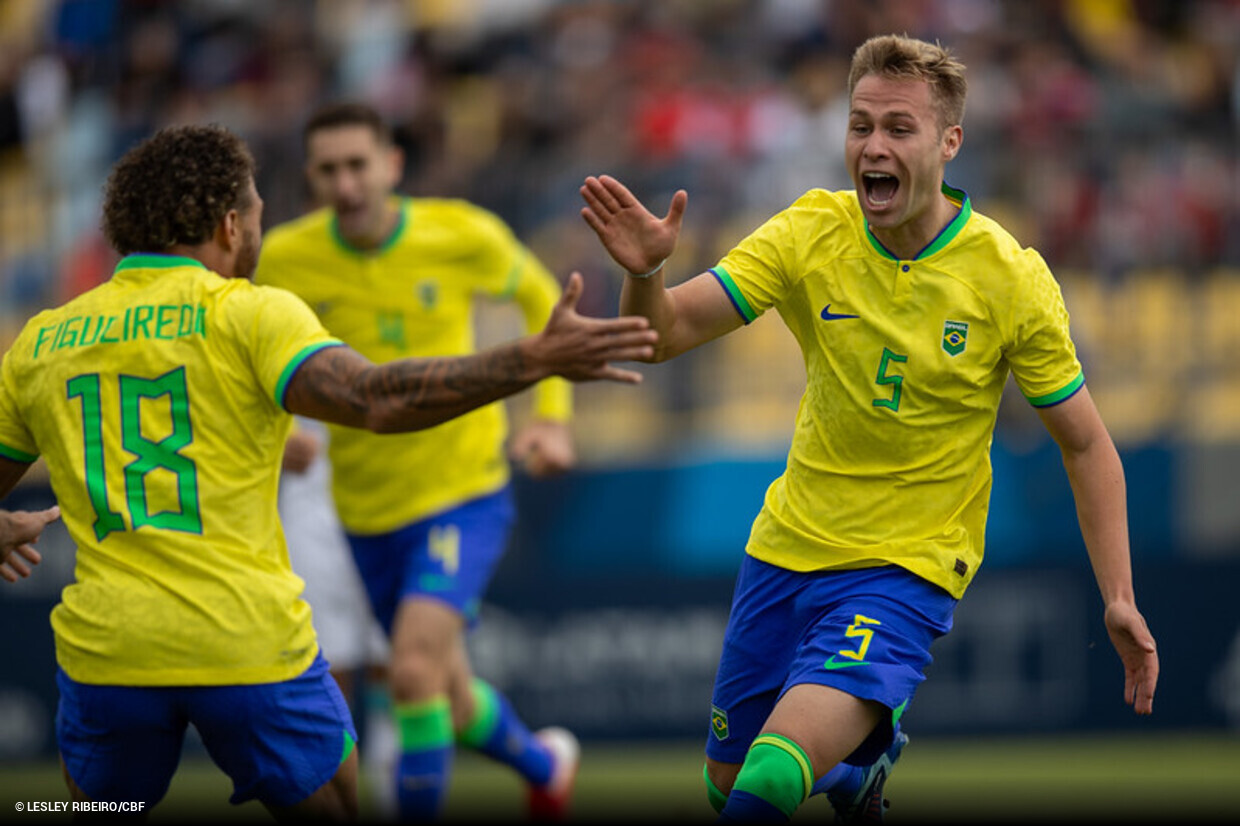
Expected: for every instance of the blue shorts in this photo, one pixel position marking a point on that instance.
(865, 632)
(278, 742)
(449, 557)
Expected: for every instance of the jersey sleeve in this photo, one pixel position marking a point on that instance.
(536, 291)
(499, 262)
(1041, 354)
(759, 272)
(16, 441)
(510, 272)
(280, 332)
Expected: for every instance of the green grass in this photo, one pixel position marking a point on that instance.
(1160, 777)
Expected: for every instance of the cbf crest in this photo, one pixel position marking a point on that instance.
(955, 335)
(428, 294)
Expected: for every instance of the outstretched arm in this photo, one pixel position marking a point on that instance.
(686, 315)
(339, 385)
(544, 445)
(1097, 478)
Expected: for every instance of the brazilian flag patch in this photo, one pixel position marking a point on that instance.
(955, 334)
(719, 722)
(428, 294)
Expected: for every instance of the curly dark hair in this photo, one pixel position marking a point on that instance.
(175, 187)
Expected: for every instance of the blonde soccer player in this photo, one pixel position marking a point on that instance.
(911, 310)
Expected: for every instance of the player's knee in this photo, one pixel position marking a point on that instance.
(416, 675)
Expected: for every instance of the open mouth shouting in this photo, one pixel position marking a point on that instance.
(880, 189)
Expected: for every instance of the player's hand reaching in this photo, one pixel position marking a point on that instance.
(19, 530)
(635, 238)
(581, 348)
(1135, 645)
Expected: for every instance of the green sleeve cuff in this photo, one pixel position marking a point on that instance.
(1051, 399)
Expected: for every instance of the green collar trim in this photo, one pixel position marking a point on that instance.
(945, 236)
(402, 221)
(155, 260)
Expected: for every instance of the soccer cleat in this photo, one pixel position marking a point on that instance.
(550, 802)
(866, 805)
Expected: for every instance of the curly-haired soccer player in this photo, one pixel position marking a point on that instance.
(161, 401)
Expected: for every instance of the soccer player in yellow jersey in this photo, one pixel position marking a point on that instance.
(911, 310)
(427, 515)
(161, 401)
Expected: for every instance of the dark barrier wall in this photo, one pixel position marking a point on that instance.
(1028, 653)
(608, 612)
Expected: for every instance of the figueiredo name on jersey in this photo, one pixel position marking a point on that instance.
(143, 321)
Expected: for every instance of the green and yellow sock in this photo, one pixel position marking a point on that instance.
(774, 780)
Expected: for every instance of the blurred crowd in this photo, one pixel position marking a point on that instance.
(1104, 133)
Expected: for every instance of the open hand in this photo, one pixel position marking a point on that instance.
(632, 236)
(581, 348)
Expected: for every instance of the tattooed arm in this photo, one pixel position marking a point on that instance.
(340, 385)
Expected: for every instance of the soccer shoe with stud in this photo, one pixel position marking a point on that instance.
(867, 804)
(551, 802)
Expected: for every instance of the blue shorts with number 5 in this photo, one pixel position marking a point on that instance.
(866, 632)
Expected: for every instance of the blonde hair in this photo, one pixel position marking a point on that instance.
(902, 57)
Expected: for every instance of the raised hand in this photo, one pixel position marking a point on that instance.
(581, 348)
(632, 236)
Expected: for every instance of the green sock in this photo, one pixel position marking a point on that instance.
(777, 772)
(425, 733)
(498, 732)
(717, 798)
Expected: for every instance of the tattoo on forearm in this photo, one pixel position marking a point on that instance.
(339, 385)
(432, 384)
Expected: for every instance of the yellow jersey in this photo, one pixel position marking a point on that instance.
(905, 363)
(156, 401)
(414, 296)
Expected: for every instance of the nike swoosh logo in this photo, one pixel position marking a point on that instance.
(827, 315)
(831, 663)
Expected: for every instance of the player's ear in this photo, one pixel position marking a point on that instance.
(228, 230)
(953, 137)
(396, 165)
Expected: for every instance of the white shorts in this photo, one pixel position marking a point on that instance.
(349, 635)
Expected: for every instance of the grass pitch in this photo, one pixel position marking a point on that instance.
(1175, 778)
